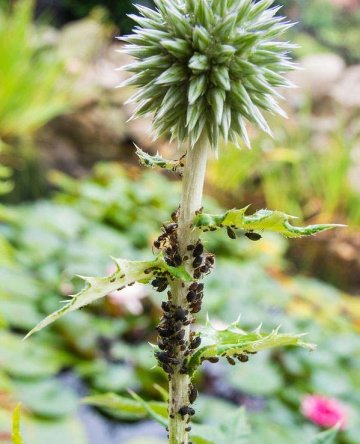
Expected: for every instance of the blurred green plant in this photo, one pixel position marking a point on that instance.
(317, 180)
(6, 184)
(31, 91)
(333, 24)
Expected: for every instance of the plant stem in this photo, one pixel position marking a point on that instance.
(191, 201)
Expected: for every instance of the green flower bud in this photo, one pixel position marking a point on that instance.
(208, 65)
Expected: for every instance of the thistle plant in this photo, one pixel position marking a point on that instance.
(204, 69)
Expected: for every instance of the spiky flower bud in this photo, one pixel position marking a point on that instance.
(208, 65)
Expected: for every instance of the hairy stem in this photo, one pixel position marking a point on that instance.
(191, 201)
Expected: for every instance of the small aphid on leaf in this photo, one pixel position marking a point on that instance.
(243, 358)
(230, 360)
(253, 236)
(231, 233)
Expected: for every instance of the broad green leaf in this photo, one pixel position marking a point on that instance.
(327, 437)
(234, 341)
(16, 435)
(29, 359)
(127, 272)
(235, 429)
(158, 161)
(46, 398)
(129, 409)
(263, 220)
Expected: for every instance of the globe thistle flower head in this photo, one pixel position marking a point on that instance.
(208, 66)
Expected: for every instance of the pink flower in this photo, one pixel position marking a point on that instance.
(324, 412)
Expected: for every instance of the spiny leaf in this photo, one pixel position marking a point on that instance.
(158, 161)
(263, 220)
(234, 341)
(127, 273)
(16, 435)
(126, 408)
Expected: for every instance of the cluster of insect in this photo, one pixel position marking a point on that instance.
(172, 339)
(231, 232)
(175, 346)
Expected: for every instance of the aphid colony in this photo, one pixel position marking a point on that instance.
(175, 347)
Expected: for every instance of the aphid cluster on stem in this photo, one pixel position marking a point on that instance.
(167, 242)
(202, 262)
(175, 344)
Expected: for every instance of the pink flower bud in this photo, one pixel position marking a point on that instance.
(324, 412)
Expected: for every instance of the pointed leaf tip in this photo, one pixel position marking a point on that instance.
(127, 273)
(263, 220)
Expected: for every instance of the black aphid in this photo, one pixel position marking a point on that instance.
(183, 411)
(193, 393)
(230, 360)
(243, 358)
(180, 314)
(198, 250)
(197, 261)
(164, 358)
(231, 233)
(253, 236)
(191, 296)
(195, 343)
(166, 306)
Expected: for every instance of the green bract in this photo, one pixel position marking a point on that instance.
(208, 65)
